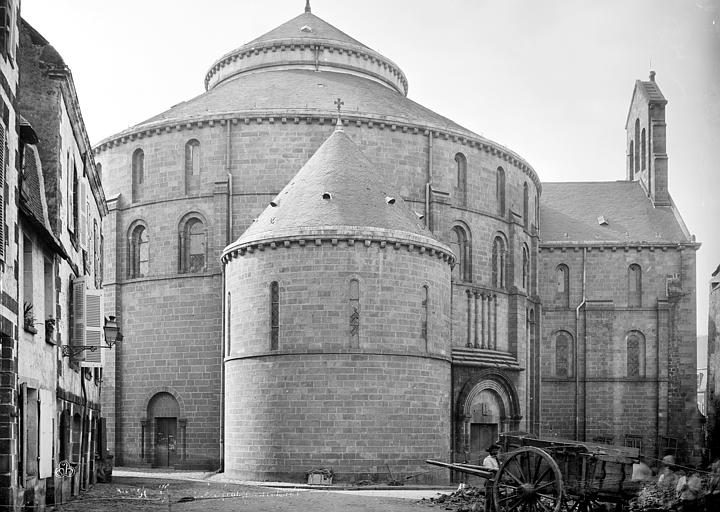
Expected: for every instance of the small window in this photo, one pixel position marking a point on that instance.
(425, 306)
(193, 246)
(28, 302)
(138, 173)
(563, 354)
(354, 313)
(526, 205)
(498, 262)
(634, 286)
(461, 175)
(631, 160)
(635, 354)
(139, 249)
(643, 150)
(274, 315)
(192, 166)
(562, 275)
(460, 245)
(637, 145)
(526, 269)
(500, 191)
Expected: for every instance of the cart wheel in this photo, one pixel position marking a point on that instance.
(582, 504)
(529, 480)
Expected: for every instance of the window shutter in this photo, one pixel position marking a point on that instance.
(47, 415)
(23, 433)
(2, 192)
(82, 214)
(93, 327)
(78, 310)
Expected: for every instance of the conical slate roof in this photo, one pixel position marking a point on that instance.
(306, 26)
(338, 191)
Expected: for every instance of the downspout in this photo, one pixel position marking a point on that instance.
(577, 346)
(428, 184)
(228, 236)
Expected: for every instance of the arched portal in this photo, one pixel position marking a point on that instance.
(166, 442)
(487, 405)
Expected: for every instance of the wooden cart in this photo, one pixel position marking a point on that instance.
(551, 474)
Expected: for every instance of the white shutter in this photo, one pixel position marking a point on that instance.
(78, 311)
(93, 327)
(47, 415)
(82, 215)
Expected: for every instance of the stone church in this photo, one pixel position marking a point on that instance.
(310, 269)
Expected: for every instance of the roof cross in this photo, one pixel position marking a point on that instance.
(339, 103)
(307, 6)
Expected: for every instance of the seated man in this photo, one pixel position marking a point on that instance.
(491, 460)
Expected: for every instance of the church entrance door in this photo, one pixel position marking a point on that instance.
(166, 442)
(482, 435)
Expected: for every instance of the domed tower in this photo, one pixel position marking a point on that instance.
(184, 184)
(337, 347)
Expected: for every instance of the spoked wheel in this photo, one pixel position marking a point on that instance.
(528, 481)
(582, 504)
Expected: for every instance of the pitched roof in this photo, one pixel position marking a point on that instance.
(306, 26)
(569, 213)
(338, 188)
(652, 91)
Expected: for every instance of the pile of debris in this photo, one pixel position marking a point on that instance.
(465, 499)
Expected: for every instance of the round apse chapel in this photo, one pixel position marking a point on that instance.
(187, 183)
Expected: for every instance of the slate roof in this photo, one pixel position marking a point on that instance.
(319, 29)
(357, 200)
(305, 92)
(652, 91)
(569, 213)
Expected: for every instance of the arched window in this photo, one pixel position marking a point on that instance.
(192, 166)
(425, 306)
(98, 170)
(643, 149)
(563, 354)
(138, 173)
(193, 246)
(526, 269)
(634, 286)
(500, 191)
(562, 274)
(461, 246)
(637, 144)
(354, 313)
(498, 262)
(139, 253)
(631, 158)
(526, 209)
(461, 171)
(274, 315)
(635, 341)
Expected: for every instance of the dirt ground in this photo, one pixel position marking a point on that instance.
(133, 494)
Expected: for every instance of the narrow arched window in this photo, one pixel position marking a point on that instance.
(562, 275)
(98, 170)
(139, 252)
(637, 145)
(274, 315)
(138, 173)
(193, 246)
(354, 313)
(425, 306)
(634, 286)
(526, 205)
(461, 172)
(498, 262)
(631, 158)
(635, 341)
(563, 354)
(192, 166)
(500, 191)
(643, 150)
(461, 247)
(525, 268)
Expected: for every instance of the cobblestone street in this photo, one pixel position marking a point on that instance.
(143, 494)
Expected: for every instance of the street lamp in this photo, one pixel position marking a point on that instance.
(112, 337)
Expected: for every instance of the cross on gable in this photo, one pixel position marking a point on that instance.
(339, 104)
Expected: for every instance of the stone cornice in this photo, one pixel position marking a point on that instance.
(617, 246)
(293, 116)
(347, 236)
(284, 45)
(349, 352)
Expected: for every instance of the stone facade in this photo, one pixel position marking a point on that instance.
(213, 164)
(713, 367)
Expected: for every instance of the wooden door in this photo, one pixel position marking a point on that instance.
(482, 435)
(166, 442)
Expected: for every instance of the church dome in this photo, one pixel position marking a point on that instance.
(309, 43)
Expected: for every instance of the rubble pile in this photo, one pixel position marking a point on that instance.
(465, 499)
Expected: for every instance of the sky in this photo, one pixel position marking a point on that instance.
(550, 79)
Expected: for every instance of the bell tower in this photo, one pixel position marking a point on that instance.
(647, 160)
